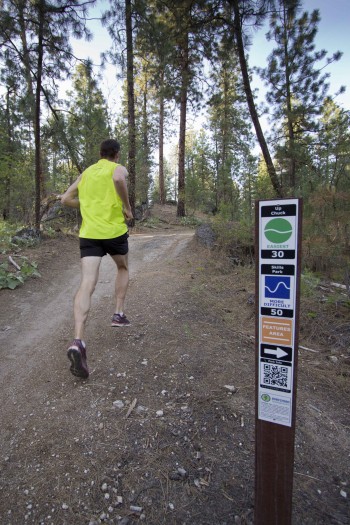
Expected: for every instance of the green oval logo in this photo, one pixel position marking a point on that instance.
(278, 230)
(266, 397)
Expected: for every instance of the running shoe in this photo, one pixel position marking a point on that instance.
(120, 320)
(77, 356)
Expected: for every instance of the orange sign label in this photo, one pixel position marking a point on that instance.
(276, 330)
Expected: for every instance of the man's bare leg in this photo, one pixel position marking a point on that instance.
(89, 274)
(121, 286)
(121, 282)
(82, 301)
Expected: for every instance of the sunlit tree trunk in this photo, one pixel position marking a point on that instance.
(7, 179)
(39, 182)
(250, 99)
(161, 141)
(131, 105)
(182, 137)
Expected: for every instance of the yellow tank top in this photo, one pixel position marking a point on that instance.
(100, 206)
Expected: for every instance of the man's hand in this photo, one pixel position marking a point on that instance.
(70, 197)
(128, 214)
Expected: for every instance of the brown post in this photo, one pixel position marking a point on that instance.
(278, 253)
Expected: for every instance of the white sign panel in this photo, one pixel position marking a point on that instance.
(278, 245)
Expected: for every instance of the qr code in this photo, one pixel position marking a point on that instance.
(275, 375)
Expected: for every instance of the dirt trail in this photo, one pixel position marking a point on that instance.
(154, 436)
(31, 316)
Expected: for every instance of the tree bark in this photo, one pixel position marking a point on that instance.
(181, 212)
(250, 99)
(224, 195)
(145, 169)
(161, 142)
(7, 193)
(39, 182)
(131, 105)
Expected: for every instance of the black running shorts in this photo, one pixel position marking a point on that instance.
(100, 247)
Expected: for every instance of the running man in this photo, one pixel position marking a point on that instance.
(101, 194)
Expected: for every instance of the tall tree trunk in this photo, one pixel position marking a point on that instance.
(182, 137)
(131, 105)
(39, 182)
(250, 99)
(145, 145)
(224, 189)
(217, 171)
(32, 98)
(7, 194)
(161, 141)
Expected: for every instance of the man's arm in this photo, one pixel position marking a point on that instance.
(70, 197)
(119, 179)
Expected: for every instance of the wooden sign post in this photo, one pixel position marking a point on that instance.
(278, 251)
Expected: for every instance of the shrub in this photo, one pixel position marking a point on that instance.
(11, 279)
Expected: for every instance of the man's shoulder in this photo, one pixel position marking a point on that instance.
(102, 164)
(120, 170)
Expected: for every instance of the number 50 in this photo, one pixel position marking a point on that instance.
(275, 311)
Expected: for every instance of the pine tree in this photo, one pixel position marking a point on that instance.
(189, 25)
(155, 46)
(296, 86)
(253, 12)
(145, 128)
(199, 172)
(123, 20)
(87, 123)
(229, 120)
(10, 144)
(332, 150)
(35, 36)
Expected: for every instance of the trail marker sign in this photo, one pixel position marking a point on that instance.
(278, 252)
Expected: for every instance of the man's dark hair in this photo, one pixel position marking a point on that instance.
(109, 148)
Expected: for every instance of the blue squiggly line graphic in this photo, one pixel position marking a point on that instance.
(277, 287)
(275, 290)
